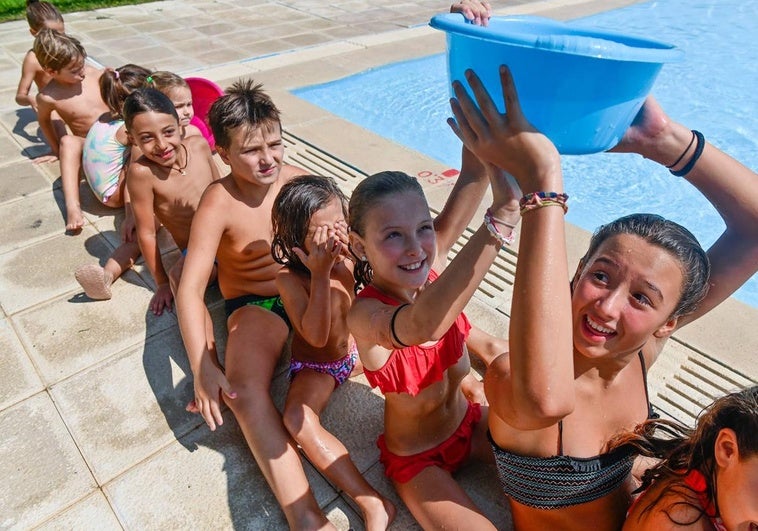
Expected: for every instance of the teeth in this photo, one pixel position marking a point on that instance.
(412, 267)
(595, 326)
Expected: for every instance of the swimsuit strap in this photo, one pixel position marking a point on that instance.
(650, 412)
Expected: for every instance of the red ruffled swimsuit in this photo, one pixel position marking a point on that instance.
(412, 369)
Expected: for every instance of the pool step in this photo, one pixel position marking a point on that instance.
(681, 383)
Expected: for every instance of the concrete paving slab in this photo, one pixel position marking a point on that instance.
(92, 331)
(215, 485)
(93, 513)
(129, 407)
(45, 269)
(21, 179)
(19, 377)
(41, 467)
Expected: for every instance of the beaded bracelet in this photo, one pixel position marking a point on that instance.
(535, 200)
(489, 222)
(676, 163)
(695, 157)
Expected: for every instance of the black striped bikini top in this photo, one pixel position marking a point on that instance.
(561, 480)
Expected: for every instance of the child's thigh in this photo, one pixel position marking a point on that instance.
(437, 501)
(311, 389)
(255, 343)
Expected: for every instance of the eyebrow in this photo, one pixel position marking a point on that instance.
(652, 287)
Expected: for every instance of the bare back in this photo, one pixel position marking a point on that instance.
(79, 105)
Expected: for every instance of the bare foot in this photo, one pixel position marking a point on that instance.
(95, 281)
(378, 513)
(74, 220)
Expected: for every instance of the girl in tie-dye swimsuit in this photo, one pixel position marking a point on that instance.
(106, 148)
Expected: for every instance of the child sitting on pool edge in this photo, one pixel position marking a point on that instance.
(74, 94)
(233, 226)
(316, 287)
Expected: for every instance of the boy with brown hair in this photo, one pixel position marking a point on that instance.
(233, 226)
(74, 94)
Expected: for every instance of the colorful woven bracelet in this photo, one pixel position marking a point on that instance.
(695, 157)
(489, 222)
(535, 200)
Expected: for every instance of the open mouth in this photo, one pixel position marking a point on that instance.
(596, 330)
(415, 266)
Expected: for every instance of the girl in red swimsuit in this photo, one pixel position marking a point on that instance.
(572, 380)
(411, 332)
(707, 479)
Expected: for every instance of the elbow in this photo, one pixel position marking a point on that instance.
(543, 411)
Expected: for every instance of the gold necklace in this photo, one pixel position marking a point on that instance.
(182, 169)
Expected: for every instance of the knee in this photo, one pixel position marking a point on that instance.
(294, 419)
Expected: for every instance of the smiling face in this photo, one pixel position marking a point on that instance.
(181, 97)
(157, 135)
(255, 154)
(625, 294)
(399, 242)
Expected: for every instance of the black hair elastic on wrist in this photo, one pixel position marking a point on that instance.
(392, 326)
(676, 163)
(698, 151)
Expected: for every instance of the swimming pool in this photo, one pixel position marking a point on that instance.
(712, 90)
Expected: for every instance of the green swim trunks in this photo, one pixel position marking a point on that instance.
(272, 304)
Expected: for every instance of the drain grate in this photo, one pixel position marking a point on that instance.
(682, 382)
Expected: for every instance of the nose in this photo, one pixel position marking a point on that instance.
(160, 142)
(267, 156)
(609, 306)
(413, 246)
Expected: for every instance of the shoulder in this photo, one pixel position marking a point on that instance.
(31, 61)
(664, 507)
(140, 169)
(216, 195)
(197, 144)
(289, 172)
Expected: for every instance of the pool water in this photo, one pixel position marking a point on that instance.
(712, 90)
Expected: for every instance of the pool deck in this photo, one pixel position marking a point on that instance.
(93, 429)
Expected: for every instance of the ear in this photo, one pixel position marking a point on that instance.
(356, 244)
(223, 154)
(49, 71)
(667, 328)
(130, 138)
(726, 450)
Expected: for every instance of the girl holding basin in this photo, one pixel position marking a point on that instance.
(707, 478)
(411, 332)
(575, 375)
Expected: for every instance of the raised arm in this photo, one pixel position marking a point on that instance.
(730, 187)
(139, 185)
(538, 390)
(461, 205)
(310, 311)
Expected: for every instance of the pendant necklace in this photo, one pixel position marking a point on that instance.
(182, 169)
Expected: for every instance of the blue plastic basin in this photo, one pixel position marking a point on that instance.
(580, 86)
